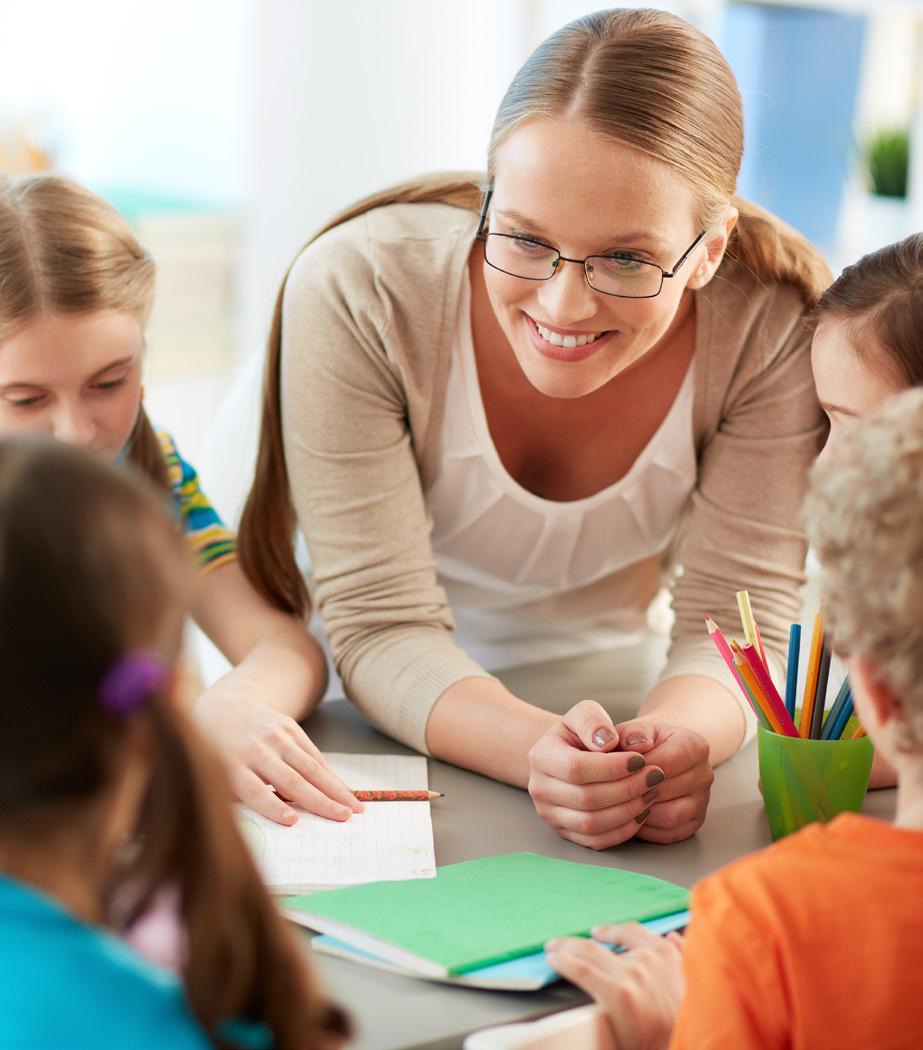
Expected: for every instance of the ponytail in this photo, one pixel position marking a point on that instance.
(775, 253)
(267, 526)
(242, 962)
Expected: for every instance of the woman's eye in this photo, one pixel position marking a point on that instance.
(110, 384)
(25, 402)
(625, 263)
(530, 247)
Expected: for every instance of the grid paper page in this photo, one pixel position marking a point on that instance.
(390, 840)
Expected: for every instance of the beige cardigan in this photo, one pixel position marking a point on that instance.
(369, 315)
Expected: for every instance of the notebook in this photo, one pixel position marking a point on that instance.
(390, 840)
(525, 974)
(481, 912)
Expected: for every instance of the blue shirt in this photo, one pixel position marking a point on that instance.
(65, 983)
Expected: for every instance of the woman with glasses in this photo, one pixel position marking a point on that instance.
(518, 410)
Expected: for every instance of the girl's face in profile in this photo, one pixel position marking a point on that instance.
(586, 194)
(73, 377)
(849, 385)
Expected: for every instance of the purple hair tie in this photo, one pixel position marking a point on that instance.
(131, 680)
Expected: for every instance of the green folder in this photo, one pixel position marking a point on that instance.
(482, 912)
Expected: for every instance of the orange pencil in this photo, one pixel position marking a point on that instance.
(859, 733)
(746, 672)
(810, 682)
(761, 674)
(397, 796)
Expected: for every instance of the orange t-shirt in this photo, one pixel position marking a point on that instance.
(813, 944)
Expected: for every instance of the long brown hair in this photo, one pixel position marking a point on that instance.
(641, 77)
(65, 250)
(880, 298)
(92, 568)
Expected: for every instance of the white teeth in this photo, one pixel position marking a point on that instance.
(567, 341)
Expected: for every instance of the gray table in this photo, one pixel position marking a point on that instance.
(479, 818)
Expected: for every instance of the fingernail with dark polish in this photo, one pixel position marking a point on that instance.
(602, 737)
(649, 796)
(635, 740)
(654, 777)
(641, 817)
(635, 763)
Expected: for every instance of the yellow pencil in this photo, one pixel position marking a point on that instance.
(751, 631)
(810, 682)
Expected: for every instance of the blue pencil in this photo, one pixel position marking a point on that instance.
(836, 730)
(791, 681)
(834, 714)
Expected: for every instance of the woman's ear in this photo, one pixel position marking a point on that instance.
(715, 245)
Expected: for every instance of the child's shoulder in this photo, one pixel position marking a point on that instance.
(64, 982)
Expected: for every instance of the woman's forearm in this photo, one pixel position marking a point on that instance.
(479, 725)
(700, 704)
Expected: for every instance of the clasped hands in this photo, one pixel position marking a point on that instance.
(599, 784)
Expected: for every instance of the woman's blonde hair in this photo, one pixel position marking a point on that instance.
(65, 250)
(863, 512)
(642, 77)
(880, 299)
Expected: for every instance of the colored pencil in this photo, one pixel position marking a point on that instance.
(714, 632)
(761, 674)
(397, 796)
(834, 712)
(810, 684)
(859, 733)
(791, 679)
(762, 702)
(751, 631)
(844, 715)
(820, 693)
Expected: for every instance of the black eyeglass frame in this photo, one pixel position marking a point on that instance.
(664, 274)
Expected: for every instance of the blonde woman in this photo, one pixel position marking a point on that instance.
(76, 290)
(518, 412)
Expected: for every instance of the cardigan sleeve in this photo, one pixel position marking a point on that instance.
(742, 528)
(355, 478)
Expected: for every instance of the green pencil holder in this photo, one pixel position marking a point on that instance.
(809, 780)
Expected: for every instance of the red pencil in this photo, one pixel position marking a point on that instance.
(397, 796)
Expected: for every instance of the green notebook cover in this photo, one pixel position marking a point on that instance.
(485, 911)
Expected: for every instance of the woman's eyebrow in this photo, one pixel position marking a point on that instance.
(632, 237)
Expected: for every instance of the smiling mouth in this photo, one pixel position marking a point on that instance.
(572, 347)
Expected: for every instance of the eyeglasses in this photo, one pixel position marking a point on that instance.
(620, 274)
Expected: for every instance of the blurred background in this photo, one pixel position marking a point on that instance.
(228, 130)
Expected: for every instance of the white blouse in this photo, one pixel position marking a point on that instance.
(532, 579)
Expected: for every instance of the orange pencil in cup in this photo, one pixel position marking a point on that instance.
(388, 795)
(746, 672)
(776, 704)
(810, 682)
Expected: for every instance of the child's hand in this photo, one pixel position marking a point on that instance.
(586, 790)
(640, 990)
(265, 750)
(682, 754)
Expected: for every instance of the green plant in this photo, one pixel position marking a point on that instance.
(887, 157)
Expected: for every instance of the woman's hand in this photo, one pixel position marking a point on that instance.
(640, 990)
(588, 791)
(682, 754)
(263, 750)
